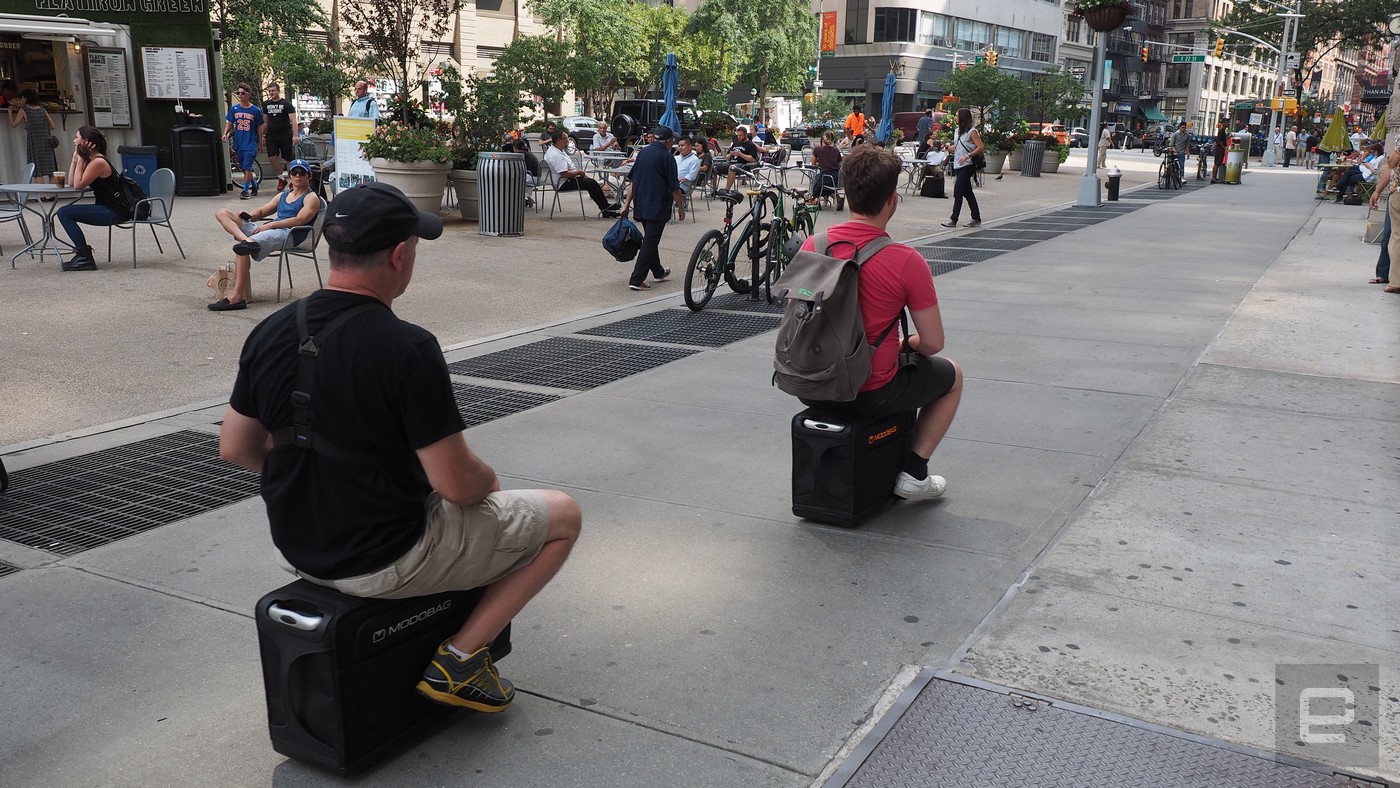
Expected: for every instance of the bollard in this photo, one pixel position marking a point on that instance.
(1115, 176)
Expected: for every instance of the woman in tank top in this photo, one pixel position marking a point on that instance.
(91, 169)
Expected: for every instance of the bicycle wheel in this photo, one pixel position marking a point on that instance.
(738, 269)
(775, 260)
(1176, 177)
(1201, 168)
(703, 274)
(1163, 178)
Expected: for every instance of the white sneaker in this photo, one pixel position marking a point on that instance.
(927, 489)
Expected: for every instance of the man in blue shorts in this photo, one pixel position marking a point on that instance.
(245, 123)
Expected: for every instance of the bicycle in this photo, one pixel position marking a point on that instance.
(716, 254)
(786, 235)
(1203, 167)
(237, 171)
(1169, 174)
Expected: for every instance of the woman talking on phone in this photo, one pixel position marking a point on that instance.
(91, 169)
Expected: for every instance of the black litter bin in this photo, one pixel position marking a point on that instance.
(1032, 152)
(198, 172)
(138, 162)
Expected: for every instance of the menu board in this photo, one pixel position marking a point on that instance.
(107, 85)
(176, 73)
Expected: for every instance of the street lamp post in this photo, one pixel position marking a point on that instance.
(1271, 153)
(1089, 183)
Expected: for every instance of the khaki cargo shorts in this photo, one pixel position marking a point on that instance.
(462, 547)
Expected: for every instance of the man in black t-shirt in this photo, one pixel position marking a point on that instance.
(742, 157)
(281, 117)
(369, 485)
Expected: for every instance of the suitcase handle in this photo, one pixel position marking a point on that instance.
(823, 426)
(294, 619)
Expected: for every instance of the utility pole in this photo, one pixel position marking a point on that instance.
(1089, 183)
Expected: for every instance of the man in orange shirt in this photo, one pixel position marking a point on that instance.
(855, 122)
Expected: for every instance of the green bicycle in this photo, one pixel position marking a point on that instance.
(786, 235)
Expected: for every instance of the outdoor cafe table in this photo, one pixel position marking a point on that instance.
(26, 194)
(615, 178)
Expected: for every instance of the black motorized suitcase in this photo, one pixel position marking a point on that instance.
(340, 672)
(843, 470)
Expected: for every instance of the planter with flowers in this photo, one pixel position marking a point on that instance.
(413, 158)
(484, 110)
(1103, 15)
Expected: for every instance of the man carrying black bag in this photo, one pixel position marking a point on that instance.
(655, 187)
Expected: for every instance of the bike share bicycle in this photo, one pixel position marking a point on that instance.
(1169, 174)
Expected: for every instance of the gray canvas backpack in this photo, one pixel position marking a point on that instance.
(822, 352)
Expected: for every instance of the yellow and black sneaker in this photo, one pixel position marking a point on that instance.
(471, 683)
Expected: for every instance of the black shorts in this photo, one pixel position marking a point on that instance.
(916, 384)
(281, 147)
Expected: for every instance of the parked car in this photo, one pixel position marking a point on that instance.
(1055, 130)
(632, 117)
(797, 138)
(1078, 137)
(1123, 137)
(581, 128)
(1155, 135)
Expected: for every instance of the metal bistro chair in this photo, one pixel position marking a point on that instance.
(583, 209)
(301, 242)
(12, 208)
(162, 205)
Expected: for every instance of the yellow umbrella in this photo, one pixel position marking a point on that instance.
(1335, 138)
(1378, 133)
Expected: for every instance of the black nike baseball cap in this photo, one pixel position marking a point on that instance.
(375, 216)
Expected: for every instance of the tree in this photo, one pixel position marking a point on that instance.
(260, 34)
(1326, 27)
(389, 32)
(541, 65)
(983, 88)
(605, 44)
(1061, 96)
(483, 109)
(773, 41)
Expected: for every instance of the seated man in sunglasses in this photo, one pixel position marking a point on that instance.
(293, 208)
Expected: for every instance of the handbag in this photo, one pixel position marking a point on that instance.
(221, 282)
(53, 141)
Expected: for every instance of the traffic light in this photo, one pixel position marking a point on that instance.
(1219, 47)
(992, 58)
(812, 72)
(1144, 54)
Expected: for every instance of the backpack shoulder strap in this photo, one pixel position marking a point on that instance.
(871, 249)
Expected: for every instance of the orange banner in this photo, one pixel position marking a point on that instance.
(828, 33)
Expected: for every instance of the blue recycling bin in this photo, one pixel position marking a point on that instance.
(139, 162)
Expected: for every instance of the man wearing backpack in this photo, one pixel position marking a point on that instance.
(892, 279)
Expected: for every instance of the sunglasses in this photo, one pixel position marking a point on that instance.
(242, 93)
(302, 173)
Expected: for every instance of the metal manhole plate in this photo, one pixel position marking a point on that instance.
(976, 242)
(741, 303)
(942, 253)
(480, 404)
(684, 327)
(83, 502)
(959, 732)
(567, 362)
(941, 267)
(6, 569)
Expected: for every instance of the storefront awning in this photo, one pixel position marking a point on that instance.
(51, 26)
(1153, 114)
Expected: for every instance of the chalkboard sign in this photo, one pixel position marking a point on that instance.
(109, 88)
(176, 73)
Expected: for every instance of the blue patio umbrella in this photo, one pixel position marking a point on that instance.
(670, 83)
(886, 128)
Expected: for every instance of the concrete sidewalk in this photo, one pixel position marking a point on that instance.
(1202, 383)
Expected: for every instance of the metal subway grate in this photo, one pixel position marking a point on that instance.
(683, 327)
(567, 362)
(741, 303)
(7, 569)
(961, 731)
(941, 267)
(977, 242)
(939, 252)
(480, 404)
(1016, 234)
(83, 502)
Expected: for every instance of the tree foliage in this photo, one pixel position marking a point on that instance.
(484, 108)
(983, 88)
(771, 42)
(1060, 96)
(540, 65)
(1326, 27)
(389, 32)
(262, 36)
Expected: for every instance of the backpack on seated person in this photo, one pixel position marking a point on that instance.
(822, 352)
(129, 193)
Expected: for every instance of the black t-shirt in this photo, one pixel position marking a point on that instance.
(748, 148)
(279, 117)
(532, 163)
(380, 386)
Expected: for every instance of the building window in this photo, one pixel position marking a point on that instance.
(1073, 27)
(1178, 76)
(496, 7)
(1011, 42)
(934, 29)
(857, 12)
(973, 35)
(895, 24)
(1042, 47)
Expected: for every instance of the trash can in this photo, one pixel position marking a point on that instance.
(501, 193)
(138, 162)
(1032, 152)
(196, 153)
(1235, 156)
(1115, 180)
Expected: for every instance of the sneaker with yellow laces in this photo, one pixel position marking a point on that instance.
(469, 682)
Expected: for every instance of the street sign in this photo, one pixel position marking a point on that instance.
(1292, 60)
(1077, 71)
(1188, 58)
